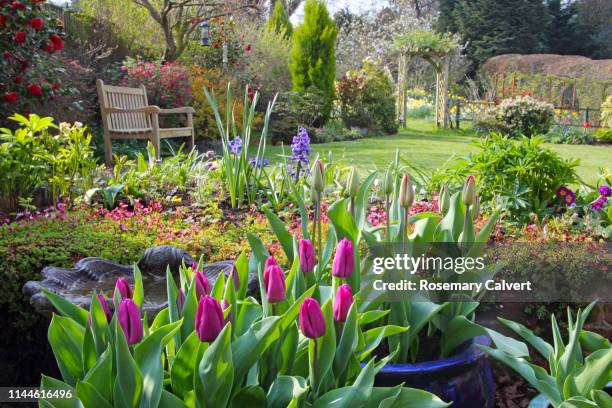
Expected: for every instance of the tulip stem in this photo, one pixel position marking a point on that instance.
(313, 366)
(319, 241)
(352, 208)
(388, 220)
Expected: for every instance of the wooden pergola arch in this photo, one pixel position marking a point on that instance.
(435, 48)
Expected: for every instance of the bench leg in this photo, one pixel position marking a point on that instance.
(191, 140)
(108, 149)
(155, 140)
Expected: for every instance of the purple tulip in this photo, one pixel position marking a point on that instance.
(202, 285)
(307, 256)
(209, 319)
(344, 263)
(312, 322)
(104, 305)
(124, 290)
(235, 277)
(274, 280)
(269, 262)
(180, 299)
(342, 303)
(129, 319)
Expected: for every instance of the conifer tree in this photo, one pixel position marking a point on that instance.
(279, 20)
(313, 59)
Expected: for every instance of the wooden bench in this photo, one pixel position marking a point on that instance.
(126, 114)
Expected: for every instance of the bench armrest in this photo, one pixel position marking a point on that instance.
(146, 109)
(185, 109)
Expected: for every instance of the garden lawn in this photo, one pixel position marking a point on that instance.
(424, 146)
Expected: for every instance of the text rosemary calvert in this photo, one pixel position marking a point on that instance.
(414, 265)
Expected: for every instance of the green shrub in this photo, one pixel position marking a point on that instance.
(517, 116)
(313, 57)
(366, 99)
(521, 175)
(604, 135)
(33, 157)
(570, 135)
(294, 109)
(606, 112)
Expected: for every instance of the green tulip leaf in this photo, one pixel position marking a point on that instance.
(213, 384)
(128, 382)
(90, 397)
(66, 308)
(286, 389)
(66, 338)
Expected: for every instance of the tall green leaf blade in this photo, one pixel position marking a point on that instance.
(66, 338)
(213, 385)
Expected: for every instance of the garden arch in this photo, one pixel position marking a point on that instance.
(434, 48)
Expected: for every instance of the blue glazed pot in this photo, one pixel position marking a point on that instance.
(465, 378)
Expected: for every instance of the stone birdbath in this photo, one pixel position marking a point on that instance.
(95, 274)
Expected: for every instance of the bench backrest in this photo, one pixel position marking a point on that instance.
(125, 98)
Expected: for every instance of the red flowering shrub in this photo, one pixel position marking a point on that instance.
(168, 84)
(27, 35)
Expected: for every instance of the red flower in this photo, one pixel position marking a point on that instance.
(7, 55)
(17, 6)
(20, 37)
(587, 124)
(55, 86)
(2, 21)
(36, 23)
(23, 64)
(55, 39)
(35, 90)
(50, 47)
(18, 79)
(11, 97)
(59, 46)
(247, 48)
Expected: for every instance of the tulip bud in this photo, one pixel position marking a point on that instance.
(270, 261)
(180, 299)
(444, 200)
(476, 209)
(122, 289)
(352, 183)
(468, 194)
(128, 316)
(406, 193)
(274, 280)
(342, 303)
(105, 308)
(318, 176)
(344, 263)
(209, 319)
(307, 256)
(202, 285)
(388, 182)
(234, 275)
(312, 322)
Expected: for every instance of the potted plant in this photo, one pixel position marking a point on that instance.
(461, 373)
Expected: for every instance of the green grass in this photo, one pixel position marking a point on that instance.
(427, 147)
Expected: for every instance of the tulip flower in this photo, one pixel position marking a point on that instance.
(270, 261)
(406, 193)
(318, 176)
(352, 183)
(105, 308)
(235, 277)
(307, 256)
(444, 200)
(274, 281)
(128, 316)
(209, 319)
(468, 195)
(342, 303)
(344, 263)
(180, 299)
(312, 322)
(388, 182)
(202, 285)
(124, 290)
